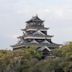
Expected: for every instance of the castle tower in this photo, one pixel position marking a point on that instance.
(35, 34)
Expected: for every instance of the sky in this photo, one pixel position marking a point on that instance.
(56, 13)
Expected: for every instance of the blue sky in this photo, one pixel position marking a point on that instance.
(56, 13)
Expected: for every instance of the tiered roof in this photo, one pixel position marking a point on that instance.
(35, 19)
(34, 31)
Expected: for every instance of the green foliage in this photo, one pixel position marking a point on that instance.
(29, 60)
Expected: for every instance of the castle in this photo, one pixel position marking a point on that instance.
(35, 34)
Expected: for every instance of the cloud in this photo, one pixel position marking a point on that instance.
(62, 13)
(58, 9)
(53, 12)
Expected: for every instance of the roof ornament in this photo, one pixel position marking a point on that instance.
(36, 15)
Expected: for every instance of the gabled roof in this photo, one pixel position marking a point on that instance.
(43, 48)
(38, 33)
(34, 41)
(35, 18)
(45, 41)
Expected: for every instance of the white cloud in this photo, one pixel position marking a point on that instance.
(65, 13)
(52, 12)
(59, 9)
